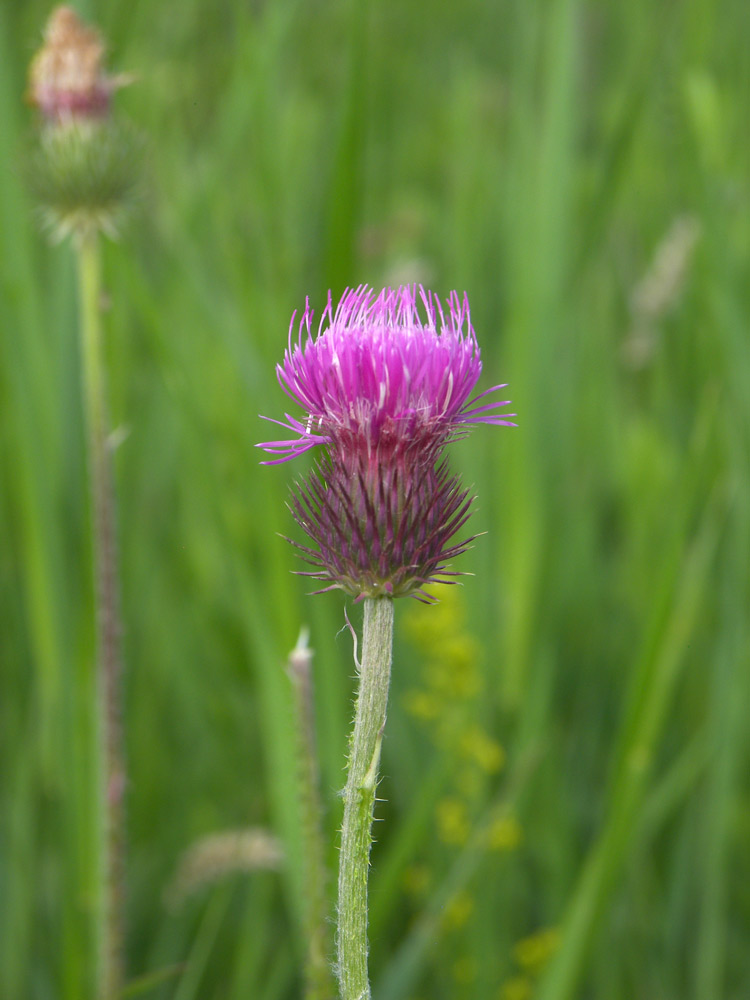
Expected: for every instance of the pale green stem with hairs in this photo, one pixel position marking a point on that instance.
(106, 702)
(359, 797)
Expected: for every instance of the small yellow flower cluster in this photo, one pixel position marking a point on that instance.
(516, 988)
(482, 750)
(452, 680)
(504, 833)
(447, 704)
(531, 955)
(458, 911)
(453, 823)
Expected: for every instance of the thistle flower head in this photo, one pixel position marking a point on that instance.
(66, 77)
(385, 384)
(383, 375)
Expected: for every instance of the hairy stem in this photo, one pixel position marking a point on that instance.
(107, 706)
(319, 984)
(359, 798)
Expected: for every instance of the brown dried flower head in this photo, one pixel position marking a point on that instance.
(66, 77)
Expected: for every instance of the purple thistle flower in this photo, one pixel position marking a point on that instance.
(385, 386)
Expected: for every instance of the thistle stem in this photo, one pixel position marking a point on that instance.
(106, 706)
(359, 797)
(319, 984)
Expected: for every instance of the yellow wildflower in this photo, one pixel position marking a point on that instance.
(481, 748)
(504, 834)
(517, 988)
(452, 821)
(422, 705)
(458, 911)
(533, 952)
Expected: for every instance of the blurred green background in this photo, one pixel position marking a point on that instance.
(566, 763)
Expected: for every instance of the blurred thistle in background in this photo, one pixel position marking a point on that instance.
(83, 170)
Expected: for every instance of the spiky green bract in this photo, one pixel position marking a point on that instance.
(85, 175)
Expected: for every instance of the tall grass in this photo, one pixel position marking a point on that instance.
(537, 154)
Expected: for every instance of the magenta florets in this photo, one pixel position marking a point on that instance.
(384, 386)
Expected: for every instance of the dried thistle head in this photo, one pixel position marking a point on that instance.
(83, 164)
(67, 77)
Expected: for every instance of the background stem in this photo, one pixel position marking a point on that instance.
(319, 984)
(359, 797)
(107, 706)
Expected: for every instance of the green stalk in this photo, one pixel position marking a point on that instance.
(319, 984)
(359, 797)
(106, 706)
(656, 679)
